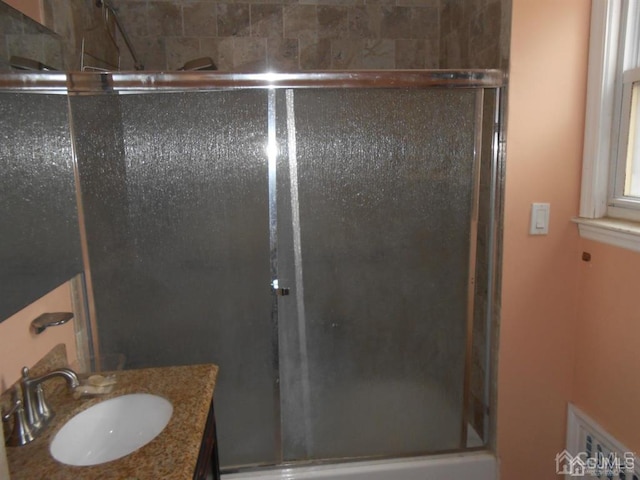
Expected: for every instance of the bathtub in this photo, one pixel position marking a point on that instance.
(459, 466)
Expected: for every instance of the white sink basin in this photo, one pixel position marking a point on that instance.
(111, 429)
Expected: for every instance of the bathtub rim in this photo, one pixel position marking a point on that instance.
(352, 467)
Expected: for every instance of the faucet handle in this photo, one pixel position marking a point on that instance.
(46, 414)
(34, 419)
(21, 433)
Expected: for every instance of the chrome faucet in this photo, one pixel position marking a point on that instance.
(21, 433)
(37, 412)
(31, 413)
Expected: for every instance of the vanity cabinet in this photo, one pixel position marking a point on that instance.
(184, 450)
(208, 466)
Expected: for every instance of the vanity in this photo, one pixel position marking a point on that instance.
(186, 449)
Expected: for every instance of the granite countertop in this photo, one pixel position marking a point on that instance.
(171, 455)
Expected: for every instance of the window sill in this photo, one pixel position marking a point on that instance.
(620, 233)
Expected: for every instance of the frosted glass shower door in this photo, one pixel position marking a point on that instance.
(360, 202)
(175, 190)
(379, 186)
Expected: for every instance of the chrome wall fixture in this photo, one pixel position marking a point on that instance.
(110, 12)
(47, 320)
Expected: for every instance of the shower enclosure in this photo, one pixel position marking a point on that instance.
(329, 240)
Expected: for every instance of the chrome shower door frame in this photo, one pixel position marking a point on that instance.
(83, 83)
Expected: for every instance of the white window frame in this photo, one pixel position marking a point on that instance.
(620, 205)
(605, 214)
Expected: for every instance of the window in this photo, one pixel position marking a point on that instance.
(610, 201)
(632, 159)
(627, 168)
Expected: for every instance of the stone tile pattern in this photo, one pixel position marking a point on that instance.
(58, 43)
(304, 35)
(473, 33)
(23, 37)
(77, 21)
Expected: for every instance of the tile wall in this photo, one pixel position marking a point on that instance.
(290, 35)
(23, 37)
(84, 31)
(74, 35)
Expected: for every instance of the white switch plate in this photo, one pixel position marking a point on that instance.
(539, 219)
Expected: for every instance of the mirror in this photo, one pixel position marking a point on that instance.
(40, 241)
(74, 35)
(27, 45)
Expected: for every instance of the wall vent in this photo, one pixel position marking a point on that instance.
(593, 453)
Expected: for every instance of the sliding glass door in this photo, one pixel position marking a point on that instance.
(175, 196)
(379, 185)
(316, 244)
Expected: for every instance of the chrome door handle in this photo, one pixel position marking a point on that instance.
(280, 291)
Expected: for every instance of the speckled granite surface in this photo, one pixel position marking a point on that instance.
(172, 455)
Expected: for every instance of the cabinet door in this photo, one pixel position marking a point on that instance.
(208, 467)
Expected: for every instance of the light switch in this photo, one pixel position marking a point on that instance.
(539, 219)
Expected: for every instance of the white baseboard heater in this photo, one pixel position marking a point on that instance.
(594, 453)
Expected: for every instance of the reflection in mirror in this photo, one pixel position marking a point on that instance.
(40, 241)
(77, 35)
(26, 44)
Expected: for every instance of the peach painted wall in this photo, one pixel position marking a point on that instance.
(607, 374)
(19, 347)
(31, 8)
(549, 49)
